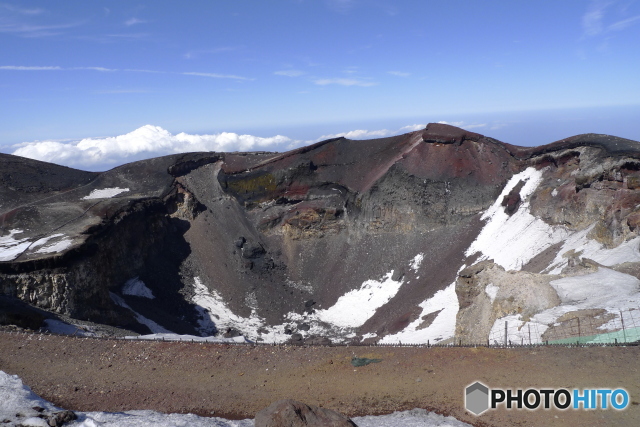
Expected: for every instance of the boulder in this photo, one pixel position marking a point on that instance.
(290, 413)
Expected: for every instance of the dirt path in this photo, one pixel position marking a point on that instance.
(237, 381)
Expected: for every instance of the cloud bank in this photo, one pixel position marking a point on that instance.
(153, 141)
(145, 142)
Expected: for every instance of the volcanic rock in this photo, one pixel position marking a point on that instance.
(254, 242)
(291, 413)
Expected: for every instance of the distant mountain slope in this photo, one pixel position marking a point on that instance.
(416, 237)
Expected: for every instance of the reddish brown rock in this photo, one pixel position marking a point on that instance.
(290, 413)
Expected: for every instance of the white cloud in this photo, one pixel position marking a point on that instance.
(399, 73)
(145, 142)
(289, 73)
(27, 68)
(22, 11)
(358, 134)
(153, 141)
(457, 124)
(368, 134)
(592, 19)
(344, 82)
(217, 76)
(96, 69)
(34, 31)
(133, 21)
(463, 125)
(621, 25)
(412, 128)
(104, 69)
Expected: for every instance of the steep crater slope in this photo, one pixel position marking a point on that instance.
(346, 240)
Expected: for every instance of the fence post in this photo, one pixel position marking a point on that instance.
(505, 333)
(624, 333)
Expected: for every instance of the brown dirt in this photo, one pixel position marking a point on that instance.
(237, 381)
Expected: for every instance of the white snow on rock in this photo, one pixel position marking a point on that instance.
(55, 247)
(336, 322)
(412, 418)
(105, 193)
(10, 247)
(416, 262)
(512, 241)
(136, 287)
(584, 247)
(517, 331)
(17, 398)
(216, 315)
(153, 326)
(355, 307)
(59, 327)
(492, 291)
(605, 289)
(442, 327)
(44, 240)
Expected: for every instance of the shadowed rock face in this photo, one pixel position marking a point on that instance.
(344, 239)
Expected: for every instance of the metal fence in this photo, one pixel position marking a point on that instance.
(590, 327)
(599, 328)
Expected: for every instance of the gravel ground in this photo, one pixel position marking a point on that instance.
(237, 381)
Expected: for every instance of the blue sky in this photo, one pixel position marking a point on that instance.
(523, 72)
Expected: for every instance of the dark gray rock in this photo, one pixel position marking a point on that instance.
(304, 327)
(290, 413)
(398, 274)
(61, 418)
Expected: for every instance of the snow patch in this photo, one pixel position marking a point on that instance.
(355, 307)
(416, 262)
(554, 193)
(63, 328)
(136, 287)
(11, 247)
(105, 193)
(442, 327)
(512, 241)
(16, 398)
(412, 418)
(56, 247)
(605, 289)
(492, 291)
(153, 326)
(584, 247)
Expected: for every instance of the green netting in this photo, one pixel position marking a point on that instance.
(363, 361)
(622, 336)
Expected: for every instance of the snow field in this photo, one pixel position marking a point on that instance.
(105, 193)
(153, 326)
(10, 247)
(512, 241)
(442, 327)
(17, 398)
(136, 287)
